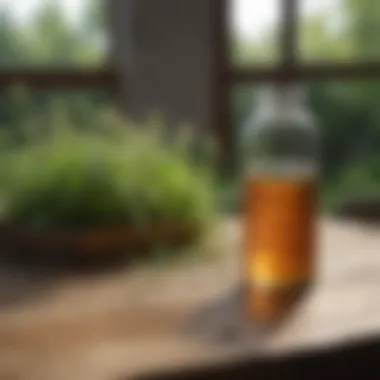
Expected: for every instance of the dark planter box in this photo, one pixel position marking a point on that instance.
(91, 243)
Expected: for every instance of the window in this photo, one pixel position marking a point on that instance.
(254, 35)
(339, 30)
(331, 47)
(57, 52)
(61, 33)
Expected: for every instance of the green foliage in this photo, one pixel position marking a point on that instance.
(116, 174)
(317, 43)
(357, 180)
(363, 27)
(23, 112)
(49, 38)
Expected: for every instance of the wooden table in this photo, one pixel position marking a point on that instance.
(134, 322)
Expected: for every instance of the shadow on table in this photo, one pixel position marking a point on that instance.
(226, 322)
(25, 275)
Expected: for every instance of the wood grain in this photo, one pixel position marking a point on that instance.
(138, 321)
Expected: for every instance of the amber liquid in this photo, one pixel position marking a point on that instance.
(278, 239)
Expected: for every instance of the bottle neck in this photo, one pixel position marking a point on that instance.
(281, 102)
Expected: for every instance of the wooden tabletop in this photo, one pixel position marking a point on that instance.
(130, 322)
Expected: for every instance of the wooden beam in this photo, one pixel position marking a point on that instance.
(65, 78)
(310, 72)
(121, 29)
(221, 87)
(288, 32)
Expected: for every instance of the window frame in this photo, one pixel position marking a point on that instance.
(289, 67)
(49, 77)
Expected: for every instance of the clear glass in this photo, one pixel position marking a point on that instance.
(59, 33)
(281, 134)
(254, 31)
(281, 154)
(339, 30)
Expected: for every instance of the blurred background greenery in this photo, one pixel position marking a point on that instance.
(347, 112)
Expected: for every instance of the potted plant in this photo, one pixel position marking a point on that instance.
(118, 187)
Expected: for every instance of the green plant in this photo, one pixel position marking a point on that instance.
(357, 180)
(117, 173)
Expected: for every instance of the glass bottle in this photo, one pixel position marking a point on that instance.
(281, 171)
